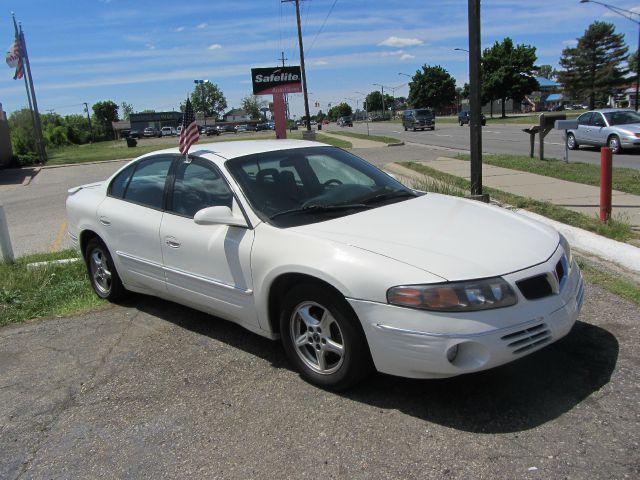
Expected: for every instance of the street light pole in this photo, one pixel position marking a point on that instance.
(366, 108)
(382, 91)
(628, 15)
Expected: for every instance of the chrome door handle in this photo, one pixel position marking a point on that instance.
(172, 243)
(105, 221)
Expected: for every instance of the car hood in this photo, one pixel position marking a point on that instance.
(450, 237)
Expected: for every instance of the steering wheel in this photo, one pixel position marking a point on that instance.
(332, 181)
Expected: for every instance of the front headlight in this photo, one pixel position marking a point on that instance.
(465, 296)
(564, 243)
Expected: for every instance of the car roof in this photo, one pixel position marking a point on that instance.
(229, 150)
(608, 110)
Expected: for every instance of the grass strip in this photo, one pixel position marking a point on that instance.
(624, 179)
(51, 290)
(336, 142)
(613, 283)
(615, 229)
(364, 136)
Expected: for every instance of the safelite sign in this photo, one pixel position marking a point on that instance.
(276, 80)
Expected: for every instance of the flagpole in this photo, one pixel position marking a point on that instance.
(26, 83)
(38, 126)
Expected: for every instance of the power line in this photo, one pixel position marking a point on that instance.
(322, 26)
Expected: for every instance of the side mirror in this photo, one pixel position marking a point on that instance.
(218, 216)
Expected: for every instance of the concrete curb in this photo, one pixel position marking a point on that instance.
(90, 163)
(622, 254)
(28, 178)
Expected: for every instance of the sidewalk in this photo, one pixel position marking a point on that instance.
(355, 142)
(573, 196)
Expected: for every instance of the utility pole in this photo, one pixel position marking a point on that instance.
(302, 70)
(475, 102)
(286, 97)
(86, 109)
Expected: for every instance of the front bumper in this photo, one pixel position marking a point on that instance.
(422, 344)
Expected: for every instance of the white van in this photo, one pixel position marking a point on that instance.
(168, 131)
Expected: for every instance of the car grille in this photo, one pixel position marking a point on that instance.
(545, 284)
(528, 338)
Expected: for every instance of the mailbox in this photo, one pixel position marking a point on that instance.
(566, 124)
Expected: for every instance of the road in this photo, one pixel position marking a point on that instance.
(150, 389)
(496, 138)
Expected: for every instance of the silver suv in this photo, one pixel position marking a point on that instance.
(612, 127)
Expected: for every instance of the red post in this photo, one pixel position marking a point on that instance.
(279, 112)
(605, 183)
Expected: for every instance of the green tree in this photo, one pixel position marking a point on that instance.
(104, 113)
(341, 110)
(127, 110)
(23, 140)
(252, 105)
(374, 101)
(54, 130)
(595, 66)
(208, 98)
(547, 71)
(432, 87)
(508, 71)
(78, 131)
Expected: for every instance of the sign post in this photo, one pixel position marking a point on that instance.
(277, 81)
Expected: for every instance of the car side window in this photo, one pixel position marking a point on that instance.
(119, 184)
(597, 120)
(585, 118)
(198, 185)
(146, 186)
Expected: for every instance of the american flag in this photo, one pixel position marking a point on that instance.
(190, 132)
(14, 59)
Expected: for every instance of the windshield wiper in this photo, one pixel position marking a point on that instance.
(320, 208)
(388, 196)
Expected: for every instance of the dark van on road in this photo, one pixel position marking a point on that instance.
(418, 118)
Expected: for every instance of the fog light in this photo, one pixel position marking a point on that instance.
(452, 353)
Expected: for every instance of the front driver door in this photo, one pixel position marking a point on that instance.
(207, 266)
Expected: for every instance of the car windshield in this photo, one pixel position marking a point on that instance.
(622, 118)
(307, 185)
(424, 113)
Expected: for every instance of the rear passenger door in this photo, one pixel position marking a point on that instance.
(131, 215)
(583, 132)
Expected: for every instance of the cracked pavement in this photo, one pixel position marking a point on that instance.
(150, 389)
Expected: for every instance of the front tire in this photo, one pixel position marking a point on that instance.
(323, 338)
(571, 142)
(102, 272)
(613, 143)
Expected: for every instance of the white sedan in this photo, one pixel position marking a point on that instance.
(350, 269)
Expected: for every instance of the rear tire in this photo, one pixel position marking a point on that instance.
(102, 272)
(323, 338)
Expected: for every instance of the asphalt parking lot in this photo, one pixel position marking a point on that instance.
(150, 389)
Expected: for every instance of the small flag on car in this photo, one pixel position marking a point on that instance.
(190, 132)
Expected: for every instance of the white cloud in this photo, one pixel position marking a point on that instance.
(150, 46)
(400, 42)
(202, 26)
(406, 56)
(570, 43)
(179, 29)
(215, 46)
(319, 62)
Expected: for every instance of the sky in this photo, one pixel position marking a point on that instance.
(148, 53)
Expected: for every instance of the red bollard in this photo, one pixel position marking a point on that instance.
(605, 183)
